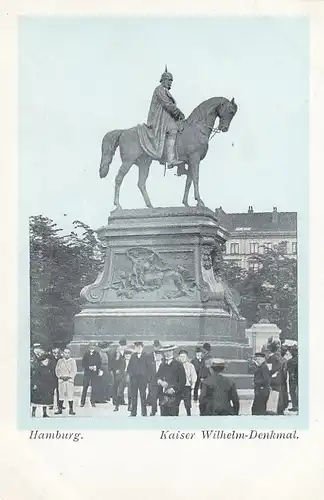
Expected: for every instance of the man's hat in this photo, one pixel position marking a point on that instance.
(166, 74)
(45, 356)
(170, 347)
(206, 346)
(198, 349)
(103, 345)
(37, 344)
(217, 362)
(122, 342)
(156, 343)
(260, 354)
(138, 343)
(183, 351)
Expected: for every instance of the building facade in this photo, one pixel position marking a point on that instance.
(254, 233)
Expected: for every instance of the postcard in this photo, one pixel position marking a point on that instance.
(163, 234)
(164, 244)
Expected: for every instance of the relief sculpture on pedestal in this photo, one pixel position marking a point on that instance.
(150, 272)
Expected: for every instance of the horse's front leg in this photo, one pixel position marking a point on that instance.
(194, 165)
(187, 188)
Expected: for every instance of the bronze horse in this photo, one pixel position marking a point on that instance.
(192, 146)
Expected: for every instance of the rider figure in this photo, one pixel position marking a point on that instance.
(164, 115)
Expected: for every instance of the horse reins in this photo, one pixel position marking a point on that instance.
(214, 131)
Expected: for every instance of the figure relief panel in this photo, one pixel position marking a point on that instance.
(141, 273)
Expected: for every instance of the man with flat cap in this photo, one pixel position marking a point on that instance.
(261, 384)
(218, 393)
(171, 379)
(139, 375)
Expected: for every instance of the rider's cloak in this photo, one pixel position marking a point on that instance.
(161, 119)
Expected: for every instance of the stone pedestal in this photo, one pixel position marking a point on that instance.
(158, 281)
(259, 333)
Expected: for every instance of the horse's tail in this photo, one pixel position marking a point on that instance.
(110, 143)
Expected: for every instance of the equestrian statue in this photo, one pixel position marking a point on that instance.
(168, 138)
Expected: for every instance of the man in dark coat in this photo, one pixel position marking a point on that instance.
(139, 374)
(261, 385)
(284, 401)
(292, 366)
(55, 355)
(155, 362)
(204, 369)
(218, 393)
(123, 381)
(91, 363)
(207, 355)
(171, 379)
(197, 362)
(118, 364)
(276, 374)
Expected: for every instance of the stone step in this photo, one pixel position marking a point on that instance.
(246, 394)
(226, 350)
(234, 366)
(242, 381)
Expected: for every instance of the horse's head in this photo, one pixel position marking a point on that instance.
(226, 112)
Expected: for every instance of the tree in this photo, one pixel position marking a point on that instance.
(274, 281)
(60, 265)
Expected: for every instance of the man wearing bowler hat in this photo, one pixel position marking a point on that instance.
(261, 385)
(218, 393)
(139, 375)
(171, 379)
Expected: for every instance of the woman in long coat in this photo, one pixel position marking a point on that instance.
(43, 384)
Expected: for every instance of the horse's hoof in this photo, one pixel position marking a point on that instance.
(200, 203)
(118, 207)
(186, 204)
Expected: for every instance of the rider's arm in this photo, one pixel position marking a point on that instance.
(167, 103)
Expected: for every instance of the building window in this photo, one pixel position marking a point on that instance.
(234, 248)
(253, 266)
(294, 247)
(267, 247)
(254, 247)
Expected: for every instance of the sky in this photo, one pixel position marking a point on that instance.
(82, 77)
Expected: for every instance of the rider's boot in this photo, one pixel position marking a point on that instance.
(171, 160)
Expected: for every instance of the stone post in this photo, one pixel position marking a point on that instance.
(259, 333)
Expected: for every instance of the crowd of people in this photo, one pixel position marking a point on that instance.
(275, 378)
(160, 379)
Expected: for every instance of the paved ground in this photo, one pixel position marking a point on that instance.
(107, 410)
